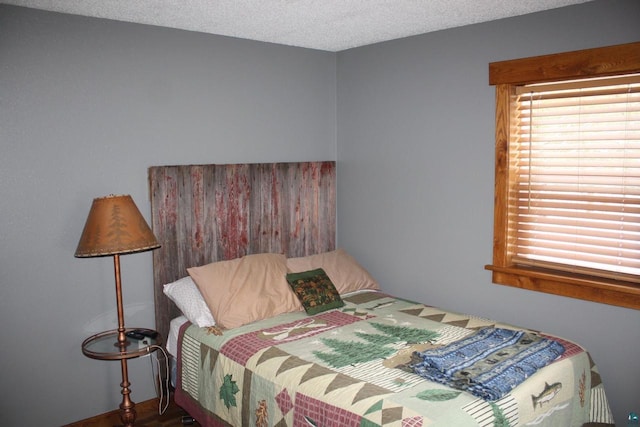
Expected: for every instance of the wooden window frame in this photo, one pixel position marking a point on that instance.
(506, 75)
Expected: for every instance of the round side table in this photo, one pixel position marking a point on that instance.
(105, 346)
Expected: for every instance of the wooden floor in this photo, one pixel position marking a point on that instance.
(147, 416)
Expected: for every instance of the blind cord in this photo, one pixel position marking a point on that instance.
(530, 150)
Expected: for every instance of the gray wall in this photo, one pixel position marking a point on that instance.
(416, 165)
(86, 106)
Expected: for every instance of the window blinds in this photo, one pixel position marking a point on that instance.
(575, 201)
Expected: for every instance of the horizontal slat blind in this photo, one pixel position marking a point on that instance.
(576, 154)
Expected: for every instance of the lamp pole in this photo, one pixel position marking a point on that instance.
(127, 407)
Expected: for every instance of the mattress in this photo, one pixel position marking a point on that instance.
(359, 366)
(174, 332)
(172, 346)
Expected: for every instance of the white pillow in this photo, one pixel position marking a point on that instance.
(186, 295)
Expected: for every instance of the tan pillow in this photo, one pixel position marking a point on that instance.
(247, 289)
(343, 270)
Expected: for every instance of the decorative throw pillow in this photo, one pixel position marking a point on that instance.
(247, 289)
(345, 272)
(186, 296)
(315, 291)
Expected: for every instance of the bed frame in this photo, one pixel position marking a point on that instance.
(206, 213)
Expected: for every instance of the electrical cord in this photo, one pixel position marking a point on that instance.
(160, 388)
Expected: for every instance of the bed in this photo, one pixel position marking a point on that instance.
(269, 324)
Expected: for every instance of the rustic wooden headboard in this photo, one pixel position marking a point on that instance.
(206, 213)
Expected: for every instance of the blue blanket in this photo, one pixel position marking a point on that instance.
(488, 363)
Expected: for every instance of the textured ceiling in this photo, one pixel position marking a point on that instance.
(331, 25)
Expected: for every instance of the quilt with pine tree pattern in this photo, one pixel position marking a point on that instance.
(354, 366)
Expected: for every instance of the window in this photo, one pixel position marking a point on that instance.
(567, 201)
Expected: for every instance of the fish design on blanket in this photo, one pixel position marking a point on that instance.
(547, 394)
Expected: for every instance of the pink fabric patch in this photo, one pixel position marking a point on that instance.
(283, 399)
(412, 422)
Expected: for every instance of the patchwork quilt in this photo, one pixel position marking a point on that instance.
(364, 365)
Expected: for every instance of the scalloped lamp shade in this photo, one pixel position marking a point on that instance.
(115, 226)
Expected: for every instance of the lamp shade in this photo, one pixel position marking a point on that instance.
(115, 226)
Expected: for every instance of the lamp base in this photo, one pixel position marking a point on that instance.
(127, 407)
